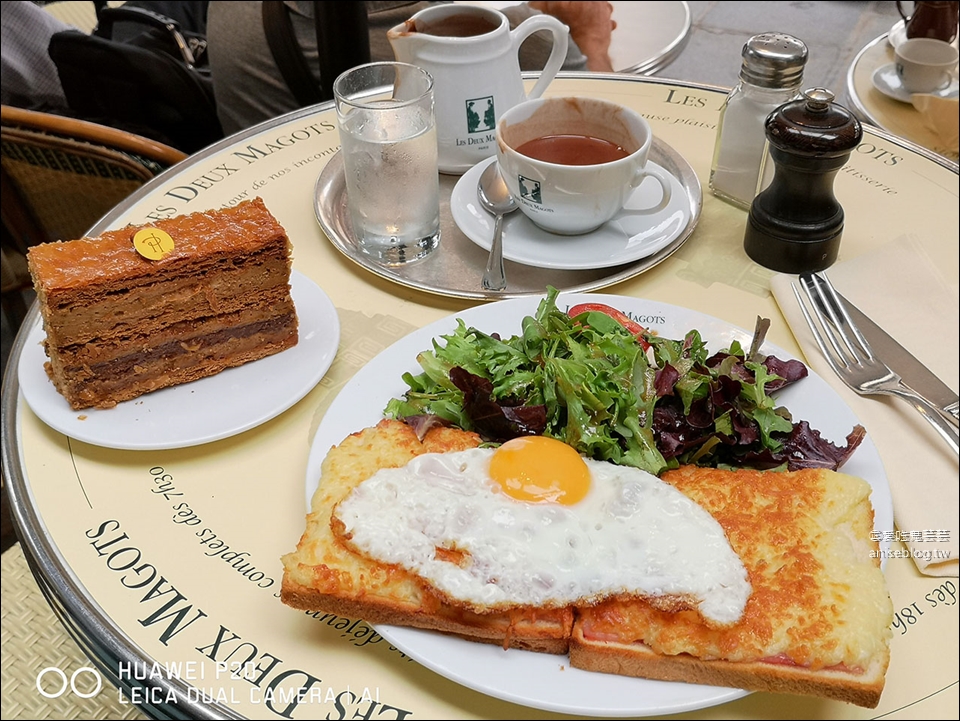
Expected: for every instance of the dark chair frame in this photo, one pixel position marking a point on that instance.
(58, 177)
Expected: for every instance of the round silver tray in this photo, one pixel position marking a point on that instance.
(456, 267)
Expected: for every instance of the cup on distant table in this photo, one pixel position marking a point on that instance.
(924, 65)
(388, 140)
(572, 162)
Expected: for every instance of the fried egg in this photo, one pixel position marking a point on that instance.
(533, 523)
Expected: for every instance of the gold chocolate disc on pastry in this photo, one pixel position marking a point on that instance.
(153, 243)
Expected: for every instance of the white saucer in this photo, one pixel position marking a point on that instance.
(626, 238)
(886, 80)
(898, 33)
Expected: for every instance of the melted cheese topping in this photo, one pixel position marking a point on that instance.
(819, 600)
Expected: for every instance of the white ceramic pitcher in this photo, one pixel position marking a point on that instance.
(472, 54)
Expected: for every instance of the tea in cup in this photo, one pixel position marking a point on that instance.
(924, 65)
(572, 163)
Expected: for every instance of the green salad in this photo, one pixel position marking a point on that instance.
(604, 385)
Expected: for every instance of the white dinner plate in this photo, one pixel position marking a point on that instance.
(205, 410)
(629, 237)
(886, 80)
(546, 681)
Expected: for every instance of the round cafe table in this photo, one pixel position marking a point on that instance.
(873, 106)
(167, 602)
(649, 35)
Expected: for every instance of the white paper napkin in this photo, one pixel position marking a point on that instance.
(941, 117)
(902, 291)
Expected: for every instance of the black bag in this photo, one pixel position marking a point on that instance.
(157, 85)
(343, 42)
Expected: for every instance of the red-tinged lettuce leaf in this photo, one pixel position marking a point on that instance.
(672, 432)
(734, 368)
(701, 414)
(724, 392)
(492, 420)
(665, 380)
(747, 431)
(790, 371)
(804, 447)
(423, 423)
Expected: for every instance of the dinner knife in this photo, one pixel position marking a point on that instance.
(912, 372)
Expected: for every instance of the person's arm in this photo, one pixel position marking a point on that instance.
(591, 25)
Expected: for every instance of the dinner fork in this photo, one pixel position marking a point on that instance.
(850, 355)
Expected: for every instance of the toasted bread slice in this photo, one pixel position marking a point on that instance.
(818, 620)
(863, 688)
(324, 575)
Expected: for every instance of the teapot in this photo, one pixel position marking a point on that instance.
(473, 56)
(937, 20)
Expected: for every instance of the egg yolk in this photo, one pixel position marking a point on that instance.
(540, 469)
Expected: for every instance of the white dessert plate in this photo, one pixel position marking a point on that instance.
(205, 410)
(545, 681)
(886, 80)
(629, 237)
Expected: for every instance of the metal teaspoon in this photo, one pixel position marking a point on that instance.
(496, 199)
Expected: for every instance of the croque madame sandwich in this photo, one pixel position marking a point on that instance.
(756, 580)
(210, 291)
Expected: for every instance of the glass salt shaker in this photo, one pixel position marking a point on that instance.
(771, 73)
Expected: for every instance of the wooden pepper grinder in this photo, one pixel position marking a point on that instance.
(796, 223)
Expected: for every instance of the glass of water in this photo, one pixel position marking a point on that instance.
(388, 140)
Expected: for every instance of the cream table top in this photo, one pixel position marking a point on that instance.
(69, 496)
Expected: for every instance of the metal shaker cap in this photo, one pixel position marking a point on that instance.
(773, 60)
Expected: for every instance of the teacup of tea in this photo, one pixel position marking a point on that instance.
(572, 162)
